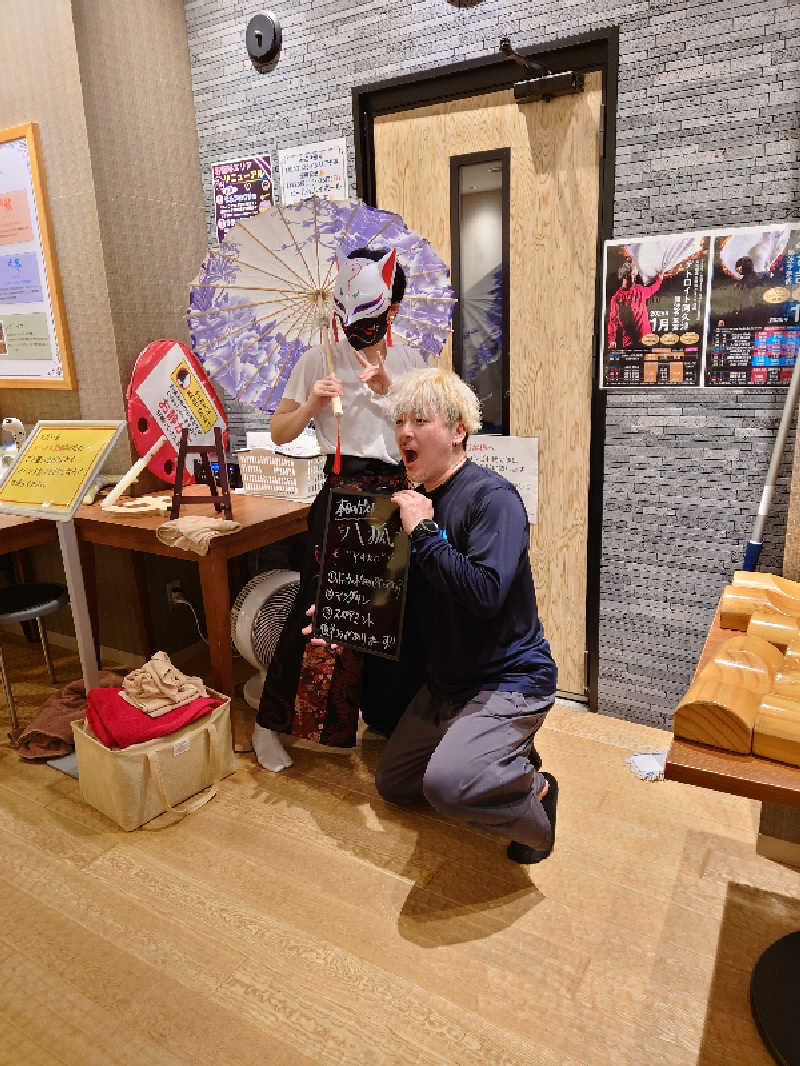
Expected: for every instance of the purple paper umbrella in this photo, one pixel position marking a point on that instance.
(265, 295)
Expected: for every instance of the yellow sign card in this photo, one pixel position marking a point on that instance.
(195, 396)
(56, 462)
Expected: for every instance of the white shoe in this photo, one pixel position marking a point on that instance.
(270, 753)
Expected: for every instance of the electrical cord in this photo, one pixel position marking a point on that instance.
(179, 600)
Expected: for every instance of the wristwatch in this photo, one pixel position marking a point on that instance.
(426, 527)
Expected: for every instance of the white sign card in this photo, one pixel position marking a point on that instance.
(516, 459)
(314, 169)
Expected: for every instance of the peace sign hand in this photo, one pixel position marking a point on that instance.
(375, 375)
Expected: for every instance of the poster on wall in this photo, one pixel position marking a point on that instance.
(314, 169)
(242, 188)
(754, 315)
(34, 340)
(654, 306)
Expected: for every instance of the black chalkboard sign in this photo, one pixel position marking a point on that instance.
(363, 574)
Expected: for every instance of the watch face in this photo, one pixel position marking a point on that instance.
(425, 526)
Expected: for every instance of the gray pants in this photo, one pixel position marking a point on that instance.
(470, 762)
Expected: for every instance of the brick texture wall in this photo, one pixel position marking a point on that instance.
(708, 134)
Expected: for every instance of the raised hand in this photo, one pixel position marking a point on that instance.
(375, 375)
(413, 508)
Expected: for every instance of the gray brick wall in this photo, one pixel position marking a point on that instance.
(708, 134)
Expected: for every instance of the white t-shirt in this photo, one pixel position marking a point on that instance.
(367, 425)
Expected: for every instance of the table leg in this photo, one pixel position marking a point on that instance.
(142, 607)
(89, 568)
(217, 606)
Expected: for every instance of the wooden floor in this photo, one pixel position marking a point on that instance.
(298, 919)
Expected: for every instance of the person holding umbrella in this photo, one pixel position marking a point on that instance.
(313, 692)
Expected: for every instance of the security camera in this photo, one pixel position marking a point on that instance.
(263, 39)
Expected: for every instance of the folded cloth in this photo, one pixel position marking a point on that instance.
(158, 687)
(117, 724)
(50, 732)
(193, 533)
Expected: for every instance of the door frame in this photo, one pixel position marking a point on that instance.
(595, 51)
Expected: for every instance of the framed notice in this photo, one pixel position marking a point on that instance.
(363, 574)
(655, 291)
(314, 170)
(754, 311)
(514, 458)
(34, 339)
(55, 468)
(242, 188)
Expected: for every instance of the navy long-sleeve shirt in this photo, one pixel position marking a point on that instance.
(471, 591)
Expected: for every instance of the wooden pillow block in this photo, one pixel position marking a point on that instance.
(738, 603)
(776, 732)
(778, 629)
(755, 579)
(721, 704)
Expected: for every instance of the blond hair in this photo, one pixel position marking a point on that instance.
(434, 391)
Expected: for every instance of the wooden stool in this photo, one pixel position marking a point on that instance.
(221, 497)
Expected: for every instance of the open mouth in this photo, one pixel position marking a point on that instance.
(409, 455)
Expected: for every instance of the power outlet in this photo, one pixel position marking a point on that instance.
(175, 592)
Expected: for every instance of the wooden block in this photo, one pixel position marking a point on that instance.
(739, 602)
(778, 629)
(776, 732)
(787, 682)
(771, 582)
(722, 703)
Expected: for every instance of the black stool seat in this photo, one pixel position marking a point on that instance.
(21, 603)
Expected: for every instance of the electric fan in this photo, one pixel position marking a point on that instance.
(257, 619)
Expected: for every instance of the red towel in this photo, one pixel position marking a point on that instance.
(117, 724)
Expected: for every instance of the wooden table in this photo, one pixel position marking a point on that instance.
(17, 533)
(775, 980)
(263, 520)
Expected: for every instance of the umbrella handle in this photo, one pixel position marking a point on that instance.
(336, 401)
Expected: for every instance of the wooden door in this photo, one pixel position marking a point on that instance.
(555, 159)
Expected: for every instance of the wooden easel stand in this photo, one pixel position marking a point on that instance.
(221, 497)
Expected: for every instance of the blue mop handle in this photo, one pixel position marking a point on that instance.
(751, 554)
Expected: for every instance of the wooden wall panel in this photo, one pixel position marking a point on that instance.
(554, 201)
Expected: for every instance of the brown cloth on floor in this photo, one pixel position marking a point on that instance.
(158, 687)
(50, 733)
(194, 533)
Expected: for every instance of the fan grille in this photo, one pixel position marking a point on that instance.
(269, 622)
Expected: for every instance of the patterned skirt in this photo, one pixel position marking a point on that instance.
(311, 691)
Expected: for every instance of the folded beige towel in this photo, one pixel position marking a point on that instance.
(194, 532)
(158, 686)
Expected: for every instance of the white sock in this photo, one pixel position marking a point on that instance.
(270, 753)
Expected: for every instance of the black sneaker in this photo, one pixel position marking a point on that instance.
(524, 853)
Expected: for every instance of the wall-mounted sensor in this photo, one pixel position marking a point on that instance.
(263, 38)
